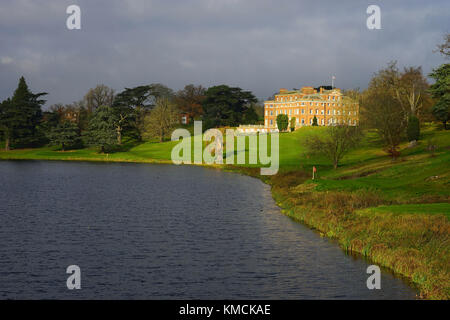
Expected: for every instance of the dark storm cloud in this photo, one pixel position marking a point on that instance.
(258, 45)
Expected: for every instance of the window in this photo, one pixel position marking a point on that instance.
(183, 119)
(271, 112)
(303, 111)
(271, 121)
(321, 111)
(310, 111)
(310, 121)
(303, 121)
(317, 111)
(328, 112)
(322, 121)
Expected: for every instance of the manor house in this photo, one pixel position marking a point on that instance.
(330, 107)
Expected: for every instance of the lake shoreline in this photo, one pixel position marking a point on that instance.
(347, 236)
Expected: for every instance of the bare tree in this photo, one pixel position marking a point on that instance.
(385, 114)
(409, 87)
(163, 117)
(444, 48)
(101, 95)
(336, 142)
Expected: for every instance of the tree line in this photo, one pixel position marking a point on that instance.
(103, 118)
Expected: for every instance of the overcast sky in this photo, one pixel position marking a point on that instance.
(258, 45)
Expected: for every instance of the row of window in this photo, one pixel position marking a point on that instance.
(311, 111)
(321, 121)
(285, 99)
(322, 104)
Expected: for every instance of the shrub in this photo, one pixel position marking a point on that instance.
(413, 129)
(293, 123)
(315, 121)
(282, 122)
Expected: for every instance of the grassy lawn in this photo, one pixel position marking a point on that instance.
(396, 213)
(421, 208)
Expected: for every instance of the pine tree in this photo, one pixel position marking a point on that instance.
(101, 130)
(413, 128)
(65, 134)
(5, 124)
(21, 116)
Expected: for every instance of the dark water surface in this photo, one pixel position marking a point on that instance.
(161, 231)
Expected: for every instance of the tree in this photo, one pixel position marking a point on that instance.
(444, 48)
(133, 104)
(250, 116)
(409, 87)
(293, 120)
(6, 128)
(440, 91)
(189, 100)
(20, 117)
(101, 130)
(385, 114)
(413, 129)
(65, 134)
(282, 122)
(441, 110)
(162, 118)
(225, 106)
(101, 95)
(335, 142)
(314, 122)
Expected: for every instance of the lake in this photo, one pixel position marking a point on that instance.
(140, 231)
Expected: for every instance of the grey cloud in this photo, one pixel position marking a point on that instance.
(259, 45)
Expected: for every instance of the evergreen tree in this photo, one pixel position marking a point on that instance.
(5, 124)
(225, 106)
(440, 90)
(292, 124)
(65, 134)
(413, 128)
(101, 130)
(282, 122)
(314, 123)
(20, 117)
(250, 116)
